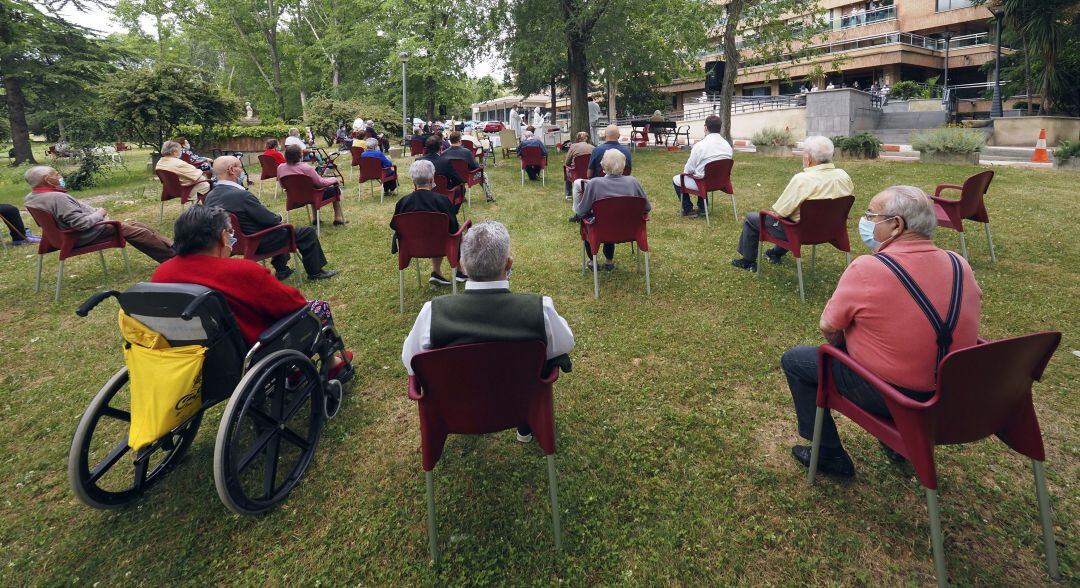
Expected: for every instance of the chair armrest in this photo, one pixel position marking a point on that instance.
(415, 392)
(828, 353)
(461, 230)
(941, 187)
(274, 331)
(267, 231)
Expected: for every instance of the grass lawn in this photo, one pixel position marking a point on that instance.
(673, 429)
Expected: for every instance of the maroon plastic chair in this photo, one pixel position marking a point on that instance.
(300, 192)
(248, 245)
(371, 169)
(423, 235)
(639, 136)
(981, 391)
(477, 152)
(627, 171)
(416, 147)
(717, 177)
(53, 238)
(578, 168)
(478, 389)
(472, 177)
(172, 188)
(618, 219)
(951, 214)
(356, 153)
(820, 221)
(455, 194)
(268, 171)
(532, 155)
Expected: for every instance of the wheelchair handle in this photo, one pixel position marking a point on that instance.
(195, 304)
(94, 300)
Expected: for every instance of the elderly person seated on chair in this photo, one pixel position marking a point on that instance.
(294, 139)
(881, 323)
(580, 146)
(433, 148)
(294, 167)
(193, 158)
(819, 180)
(613, 183)
(49, 194)
(371, 149)
(528, 139)
(457, 151)
(272, 151)
(254, 217)
(712, 148)
(204, 240)
(611, 141)
(188, 174)
(424, 198)
(488, 311)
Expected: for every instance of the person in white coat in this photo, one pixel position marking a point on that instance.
(711, 148)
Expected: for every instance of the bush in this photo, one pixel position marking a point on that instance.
(862, 145)
(771, 137)
(218, 133)
(91, 168)
(907, 90)
(948, 140)
(1067, 150)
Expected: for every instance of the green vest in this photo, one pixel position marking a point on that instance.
(481, 316)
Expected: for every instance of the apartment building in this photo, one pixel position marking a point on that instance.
(868, 41)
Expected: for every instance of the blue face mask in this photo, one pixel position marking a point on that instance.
(866, 231)
(63, 184)
(232, 240)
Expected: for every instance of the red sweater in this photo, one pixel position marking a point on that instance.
(257, 298)
(279, 158)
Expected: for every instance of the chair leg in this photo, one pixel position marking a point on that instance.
(553, 486)
(104, 268)
(523, 176)
(419, 284)
(453, 280)
(275, 188)
(543, 177)
(359, 190)
(734, 208)
(648, 284)
(637, 257)
(59, 279)
(595, 279)
(318, 225)
(583, 260)
(299, 266)
(708, 221)
(798, 269)
(815, 444)
(433, 538)
(161, 213)
(935, 538)
(847, 254)
(990, 241)
(963, 247)
(401, 289)
(1046, 516)
(40, 258)
(127, 264)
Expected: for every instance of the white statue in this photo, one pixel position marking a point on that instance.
(250, 114)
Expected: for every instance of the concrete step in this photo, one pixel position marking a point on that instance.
(912, 120)
(895, 136)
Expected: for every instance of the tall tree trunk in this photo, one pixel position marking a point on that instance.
(731, 65)
(60, 129)
(20, 132)
(578, 80)
(336, 79)
(275, 62)
(429, 103)
(612, 89)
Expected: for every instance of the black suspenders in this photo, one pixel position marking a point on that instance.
(943, 328)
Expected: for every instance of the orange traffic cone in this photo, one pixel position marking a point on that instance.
(1040, 155)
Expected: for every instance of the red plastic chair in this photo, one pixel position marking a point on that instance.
(478, 389)
(299, 192)
(416, 147)
(639, 136)
(717, 177)
(981, 391)
(248, 245)
(53, 238)
(269, 167)
(532, 155)
(423, 235)
(477, 152)
(356, 153)
(472, 177)
(455, 194)
(952, 213)
(627, 171)
(371, 169)
(578, 168)
(618, 219)
(172, 188)
(820, 221)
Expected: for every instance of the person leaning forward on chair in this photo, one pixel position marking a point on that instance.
(819, 180)
(877, 319)
(294, 167)
(188, 174)
(424, 198)
(488, 311)
(49, 194)
(712, 148)
(254, 217)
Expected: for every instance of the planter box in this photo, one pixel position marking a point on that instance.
(841, 156)
(243, 144)
(774, 151)
(1071, 164)
(950, 158)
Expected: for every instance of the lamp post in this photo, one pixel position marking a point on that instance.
(995, 105)
(404, 57)
(947, 36)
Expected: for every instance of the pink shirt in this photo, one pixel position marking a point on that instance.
(303, 169)
(884, 329)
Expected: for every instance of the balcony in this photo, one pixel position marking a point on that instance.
(863, 19)
(905, 39)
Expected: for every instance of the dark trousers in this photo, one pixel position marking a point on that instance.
(307, 243)
(688, 206)
(609, 250)
(533, 171)
(331, 191)
(389, 186)
(569, 188)
(748, 240)
(800, 365)
(14, 222)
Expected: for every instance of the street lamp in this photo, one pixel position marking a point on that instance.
(404, 57)
(995, 105)
(947, 36)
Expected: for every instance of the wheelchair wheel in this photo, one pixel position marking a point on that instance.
(98, 472)
(269, 432)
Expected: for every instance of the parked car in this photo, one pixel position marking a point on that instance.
(493, 126)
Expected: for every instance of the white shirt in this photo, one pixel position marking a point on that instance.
(594, 111)
(290, 140)
(560, 339)
(711, 148)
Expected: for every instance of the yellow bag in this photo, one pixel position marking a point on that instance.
(166, 382)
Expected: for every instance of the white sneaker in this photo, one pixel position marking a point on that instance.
(524, 438)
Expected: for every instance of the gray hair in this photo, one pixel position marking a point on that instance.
(36, 175)
(484, 251)
(171, 148)
(613, 162)
(422, 172)
(371, 143)
(912, 205)
(294, 132)
(820, 149)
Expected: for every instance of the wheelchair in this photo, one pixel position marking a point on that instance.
(278, 391)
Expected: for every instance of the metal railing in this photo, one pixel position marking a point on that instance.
(863, 18)
(701, 108)
(909, 39)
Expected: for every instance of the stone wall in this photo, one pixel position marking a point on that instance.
(1023, 131)
(843, 111)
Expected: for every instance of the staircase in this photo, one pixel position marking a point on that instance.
(895, 128)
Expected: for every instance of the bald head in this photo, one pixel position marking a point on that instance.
(228, 167)
(611, 133)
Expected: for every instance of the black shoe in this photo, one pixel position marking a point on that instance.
(323, 275)
(284, 274)
(341, 222)
(689, 213)
(744, 264)
(438, 280)
(893, 456)
(461, 277)
(839, 466)
(775, 255)
(574, 219)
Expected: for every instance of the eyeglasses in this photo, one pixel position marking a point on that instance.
(869, 215)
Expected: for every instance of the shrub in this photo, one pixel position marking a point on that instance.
(91, 168)
(1067, 150)
(948, 140)
(771, 137)
(906, 90)
(860, 145)
(218, 133)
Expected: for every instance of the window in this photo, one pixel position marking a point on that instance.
(943, 5)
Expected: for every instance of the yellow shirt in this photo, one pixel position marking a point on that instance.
(819, 182)
(188, 174)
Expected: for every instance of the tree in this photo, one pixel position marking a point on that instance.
(327, 114)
